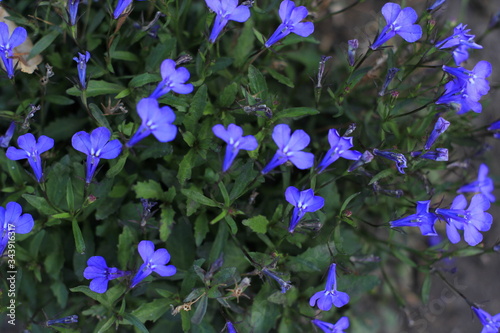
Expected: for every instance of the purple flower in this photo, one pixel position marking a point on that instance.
(352, 46)
(172, 79)
(230, 327)
(289, 148)
(391, 74)
(399, 158)
(8, 43)
(483, 184)
(31, 149)
(367, 157)
(470, 220)
(82, 61)
(461, 41)
(154, 261)
(284, 285)
(155, 120)
(96, 146)
(439, 128)
(291, 17)
(491, 324)
(493, 127)
(330, 296)
(435, 5)
(225, 11)
(399, 21)
(235, 140)
(11, 221)
(338, 327)
(98, 271)
(304, 202)
(121, 7)
(474, 81)
(5, 139)
(339, 147)
(72, 9)
(422, 219)
(440, 155)
(456, 96)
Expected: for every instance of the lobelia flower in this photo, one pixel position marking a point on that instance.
(399, 158)
(339, 147)
(365, 158)
(5, 139)
(493, 127)
(7, 44)
(13, 221)
(96, 146)
(235, 140)
(121, 7)
(284, 285)
(330, 296)
(470, 220)
(352, 46)
(225, 11)
(400, 22)
(31, 149)
(304, 202)
(440, 155)
(154, 261)
(474, 81)
(338, 327)
(289, 148)
(435, 5)
(65, 320)
(172, 79)
(230, 327)
(439, 128)
(483, 184)
(456, 96)
(461, 41)
(98, 271)
(291, 18)
(422, 219)
(82, 61)
(72, 9)
(391, 74)
(491, 324)
(155, 120)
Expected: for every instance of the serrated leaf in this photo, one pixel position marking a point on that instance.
(195, 194)
(148, 190)
(196, 109)
(257, 224)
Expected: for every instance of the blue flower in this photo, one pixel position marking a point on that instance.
(470, 220)
(64, 320)
(225, 11)
(339, 147)
(491, 324)
(399, 158)
(304, 202)
(82, 61)
(154, 261)
(461, 41)
(365, 158)
(155, 120)
(31, 149)
(289, 148)
(284, 285)
(8, 43)
(230, 327)
(11, 221)
(493, 127)
(291, 17)
(391, 74)
(330, 296)
(5, 139)
(483, 184)
(422, 219)
(456, 96)
(440, 155)
(172, 79)
(338, 327)
(96, 146)
(121, 7)
(352, 46)
(72, 9)
(98, 271)
(474, 81)
(235, 140)
(439, 128)
(399, 21)
(435, 5)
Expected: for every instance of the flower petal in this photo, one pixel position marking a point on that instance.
(168, 270)
(146, 250)
(81, 142)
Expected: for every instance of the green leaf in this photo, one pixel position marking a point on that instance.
(196, 109)
(153, 310)
(295, 112)
(60, 292)
(228, 95)
(70, 196)
(258, 85)
(244, 46)
(380, 175)
(281, 78)
(43, 43)
(59, 100)
(136, 322)
(40, 204)
(426, 289)
(231, 223)
(166, 223)
(201, 309)
(257, 224)
(124, 55)
(148, 190)
(200, 228)
(186, 166)
(195, 194)
(107, 325)
(143, 79)
(97, 88)
(224, 193)
(346, 202)
(126, 240)
(118, 166)
(99, 116)
(77, 234)
(63, 128)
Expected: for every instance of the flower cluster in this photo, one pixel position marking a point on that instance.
(461, 41)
